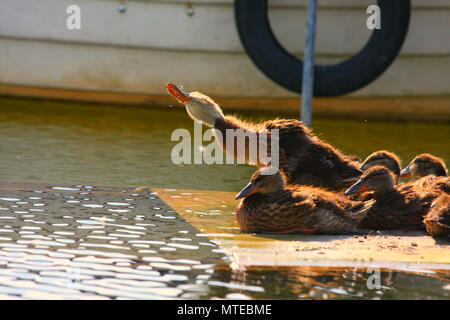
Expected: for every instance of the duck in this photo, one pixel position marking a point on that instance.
(383, 158)
(268, 205)
(395, 207)
(437, 221)
(430, 170)
(304, 159)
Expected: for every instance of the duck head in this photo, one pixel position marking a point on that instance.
(378, 179)
(264, 181)
(383, 158)
(424, 164)
(199, 107)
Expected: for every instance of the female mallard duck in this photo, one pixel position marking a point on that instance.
(269, 206)
(437, 221)
(395, 207)
(430, 169)
(303, 158)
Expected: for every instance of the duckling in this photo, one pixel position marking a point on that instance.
(437, 221)
(423, 165)
(395, 207)
(383, 158)
(304, 158)
(430, 169)
(268, 205)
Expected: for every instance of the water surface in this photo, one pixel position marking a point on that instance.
(131, 146)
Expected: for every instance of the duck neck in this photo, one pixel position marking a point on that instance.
(235, 137)
(228, 122)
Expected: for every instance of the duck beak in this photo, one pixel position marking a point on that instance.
(177, 93)
(249, 189)
(352, 179)
(405, 173)
(358, 187)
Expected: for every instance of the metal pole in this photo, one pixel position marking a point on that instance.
(308, 63)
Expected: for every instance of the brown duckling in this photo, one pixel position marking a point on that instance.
(269, 206)
(437, 221)
(395, 207)
(378, 158)
(383, 158)
(304, 158)
(430, 169)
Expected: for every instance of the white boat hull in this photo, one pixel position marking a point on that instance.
(155, 42)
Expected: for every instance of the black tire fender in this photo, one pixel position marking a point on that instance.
(329, 80)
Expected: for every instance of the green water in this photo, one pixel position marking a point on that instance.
(74, 143)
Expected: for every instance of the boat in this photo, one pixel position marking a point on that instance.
(126, 51)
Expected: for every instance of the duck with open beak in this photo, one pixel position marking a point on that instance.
(177, 93)
(303, 158)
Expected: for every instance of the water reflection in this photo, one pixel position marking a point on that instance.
(327, 283)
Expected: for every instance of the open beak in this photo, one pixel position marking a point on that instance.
(249, 189)
(405, 173)
(177, 93)
(358, 187)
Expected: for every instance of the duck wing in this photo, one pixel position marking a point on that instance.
(309, 160)
(440, 211)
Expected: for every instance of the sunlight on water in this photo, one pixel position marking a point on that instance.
(96, 253)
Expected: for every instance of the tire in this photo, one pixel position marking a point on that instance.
(329, 80)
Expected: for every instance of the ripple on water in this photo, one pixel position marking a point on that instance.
(92, 205)
(236, 286)
(65, 188)
(66, 251)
